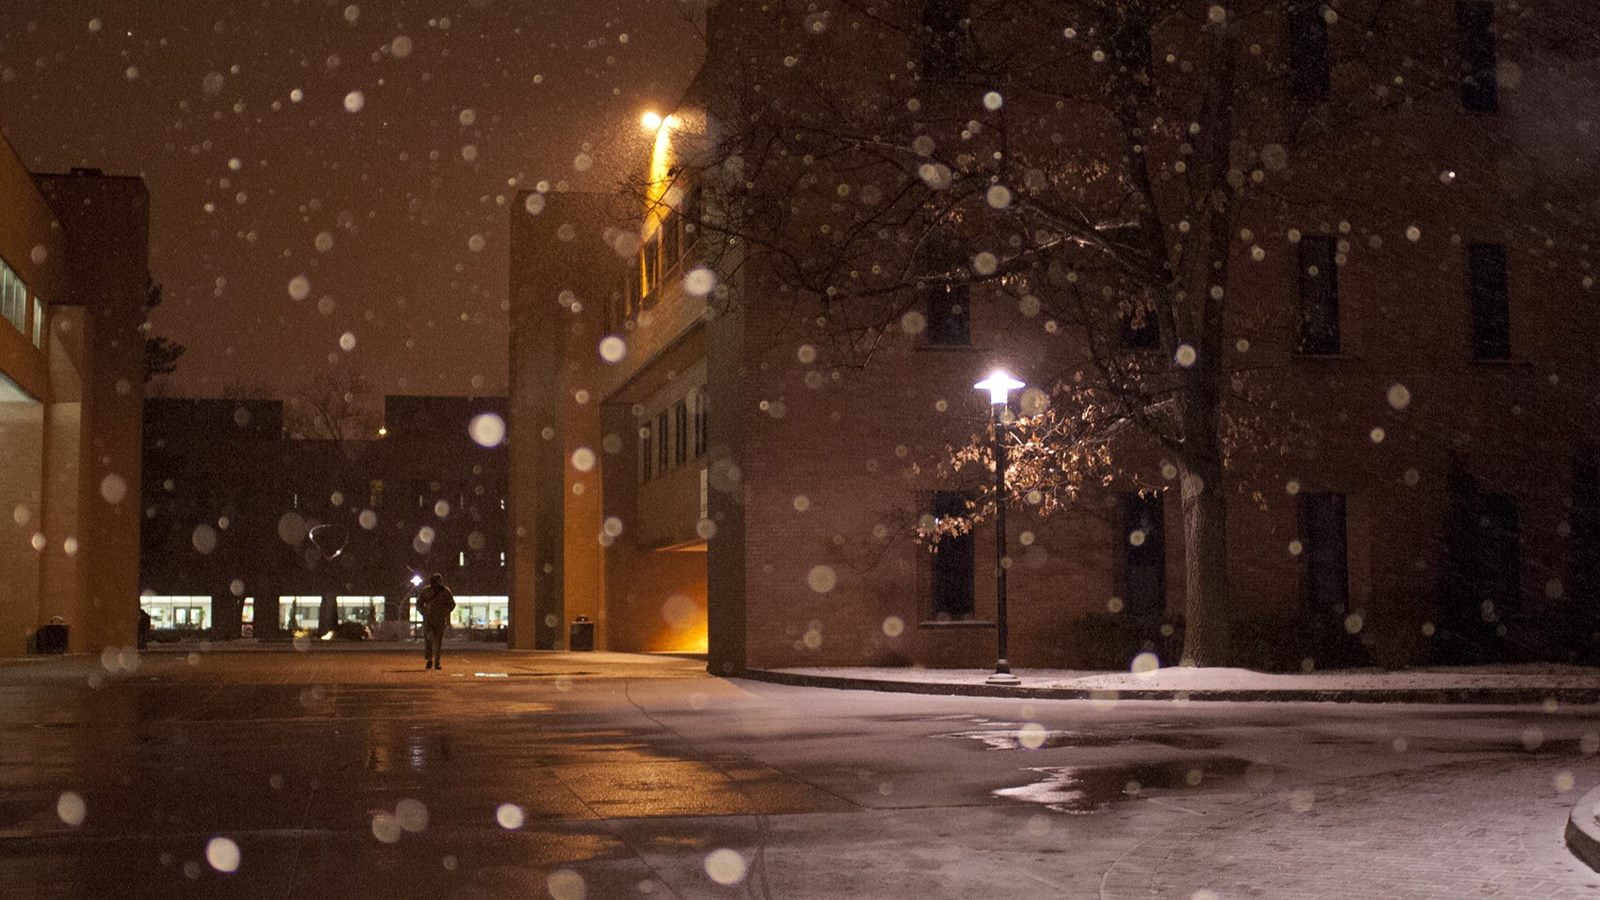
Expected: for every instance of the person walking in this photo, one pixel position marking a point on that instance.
(435, 602)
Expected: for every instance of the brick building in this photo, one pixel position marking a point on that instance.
(73, 269)
(248, 532)
(706, 443)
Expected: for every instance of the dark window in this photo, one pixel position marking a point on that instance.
(943, 52)
(946, 293)
(663, 452)
(1128, 39)
(1499, 552)
(1319, 295)
(1141, 330)
(669, 240)
(1322, 528)
(680, 432)
(617, 308)
(693, 215)
(631, 295)
(952, 562)
(1308, 52)
(1586, 534)
(1144, 554)
(699, 423)
(644, 454)
(1480, 90)
(651, 266)
(1491, 303)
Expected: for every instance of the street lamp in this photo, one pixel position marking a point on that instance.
(999, 384)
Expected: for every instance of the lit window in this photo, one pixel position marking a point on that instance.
(13, 297)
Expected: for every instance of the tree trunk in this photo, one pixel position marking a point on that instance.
(1205, 533)
(1205, 521)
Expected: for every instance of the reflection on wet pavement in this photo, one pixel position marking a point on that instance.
(1011, 736)
(1091, 789)
(342, 777)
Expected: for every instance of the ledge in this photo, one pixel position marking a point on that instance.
(1325, 357)
(1583, 833)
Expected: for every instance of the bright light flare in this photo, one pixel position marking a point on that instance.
(650, 121)
(999, 384)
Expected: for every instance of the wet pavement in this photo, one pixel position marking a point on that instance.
(352, 772)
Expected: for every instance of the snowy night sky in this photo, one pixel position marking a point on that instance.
(331, 181)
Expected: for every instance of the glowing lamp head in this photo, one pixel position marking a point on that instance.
(999, 384)
(650, 121)
(416, 580)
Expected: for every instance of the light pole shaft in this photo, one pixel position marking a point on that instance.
(1002, 665)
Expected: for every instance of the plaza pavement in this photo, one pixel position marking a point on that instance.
(1402, 833)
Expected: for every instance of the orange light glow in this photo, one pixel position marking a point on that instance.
(651, 121)
(683, 617)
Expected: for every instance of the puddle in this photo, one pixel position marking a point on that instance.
(1034, 737)
(1091, 789)
(1023, 738)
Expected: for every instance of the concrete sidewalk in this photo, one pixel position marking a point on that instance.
(1506, 684)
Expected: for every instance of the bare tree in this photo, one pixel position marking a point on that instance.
(332, 407)
(161, 354)
(1092, 162)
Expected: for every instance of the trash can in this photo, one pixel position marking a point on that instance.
(50, 639)
(581, 635)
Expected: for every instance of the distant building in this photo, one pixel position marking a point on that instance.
(1410, 316)
(73, 272)
(249, 532)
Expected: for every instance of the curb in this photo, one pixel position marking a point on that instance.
(1482, 696)
(1583, 832)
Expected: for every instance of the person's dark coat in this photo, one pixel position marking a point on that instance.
(436, 603)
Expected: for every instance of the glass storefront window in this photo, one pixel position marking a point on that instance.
(479, 612)
(299, 612)
(177, 612)
(366, 610)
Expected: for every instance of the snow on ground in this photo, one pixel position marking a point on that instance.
(1179, 678)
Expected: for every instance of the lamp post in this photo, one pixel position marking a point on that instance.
(999, 384)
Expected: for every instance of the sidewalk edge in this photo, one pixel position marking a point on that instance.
(1484, 696)
(1583, 832)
